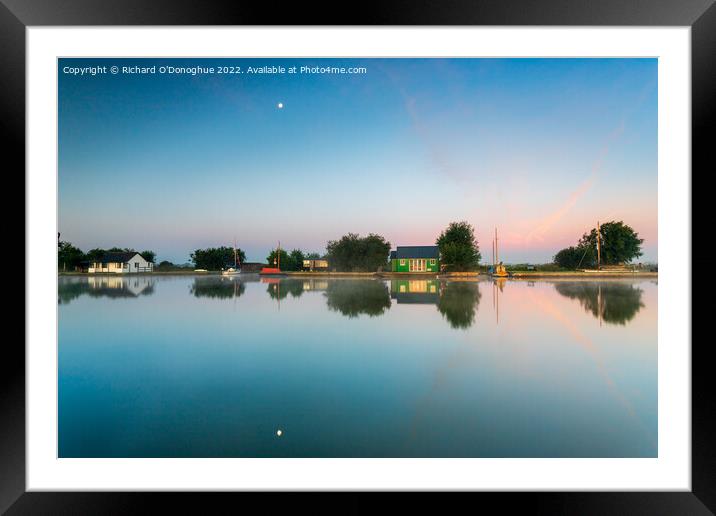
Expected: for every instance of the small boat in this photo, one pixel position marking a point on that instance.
(271, 271)
(500, 271)
(236, 269)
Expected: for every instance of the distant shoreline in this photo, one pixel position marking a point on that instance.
(580, 274)
(387, 275)
(130, 274)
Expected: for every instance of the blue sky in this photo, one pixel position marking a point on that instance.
(540, 148)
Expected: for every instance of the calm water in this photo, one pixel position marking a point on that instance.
(184, 366)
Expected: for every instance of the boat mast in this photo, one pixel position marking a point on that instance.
(278, 255)
(493, 255)
(497, 256)
(236, 262)
(599, 249)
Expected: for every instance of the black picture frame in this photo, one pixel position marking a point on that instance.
(700, 15)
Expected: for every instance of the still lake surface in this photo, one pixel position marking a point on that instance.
(205, 366)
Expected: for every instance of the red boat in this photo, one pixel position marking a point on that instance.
(271, 271)
(274, 271)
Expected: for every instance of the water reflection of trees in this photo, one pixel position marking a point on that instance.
(217, 287)
(354, 297)
(68, 291)
(458, 303)
(613, 303)
(280, 289)
(113, 287)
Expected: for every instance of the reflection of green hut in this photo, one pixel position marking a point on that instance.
(415, 258)
(414, 291)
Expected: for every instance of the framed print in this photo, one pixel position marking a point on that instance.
(416, 250)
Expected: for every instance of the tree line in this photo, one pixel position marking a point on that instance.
(216, 258)
(618, 244)
(457, 244)
(70, 257)
(353, 253)
(290, 261)
(459, 249)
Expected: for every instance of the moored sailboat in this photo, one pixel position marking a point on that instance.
(236, 269)
(498, 269)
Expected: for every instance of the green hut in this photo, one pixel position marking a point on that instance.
(415, 258)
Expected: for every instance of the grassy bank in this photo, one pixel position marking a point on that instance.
(582, 274)
(427, 275)
(309, 274)
(387, 274)
(154, 273)
(471, 274)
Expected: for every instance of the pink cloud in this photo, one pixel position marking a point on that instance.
(547, 222)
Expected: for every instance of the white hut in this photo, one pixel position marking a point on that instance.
(124, 262)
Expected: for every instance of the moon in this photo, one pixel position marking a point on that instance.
(279, 105)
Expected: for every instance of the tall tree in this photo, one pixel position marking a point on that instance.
(292, 261)
(353, 253)
(95, 255)
(284, 263)
(216, 258)
(68, 256)
(148, 255)
(344, 254)
(619, 243)
(295, 259)
(459, 250)
(576, 257)
(375, 251)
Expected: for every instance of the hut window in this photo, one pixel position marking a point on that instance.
(402, 262)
